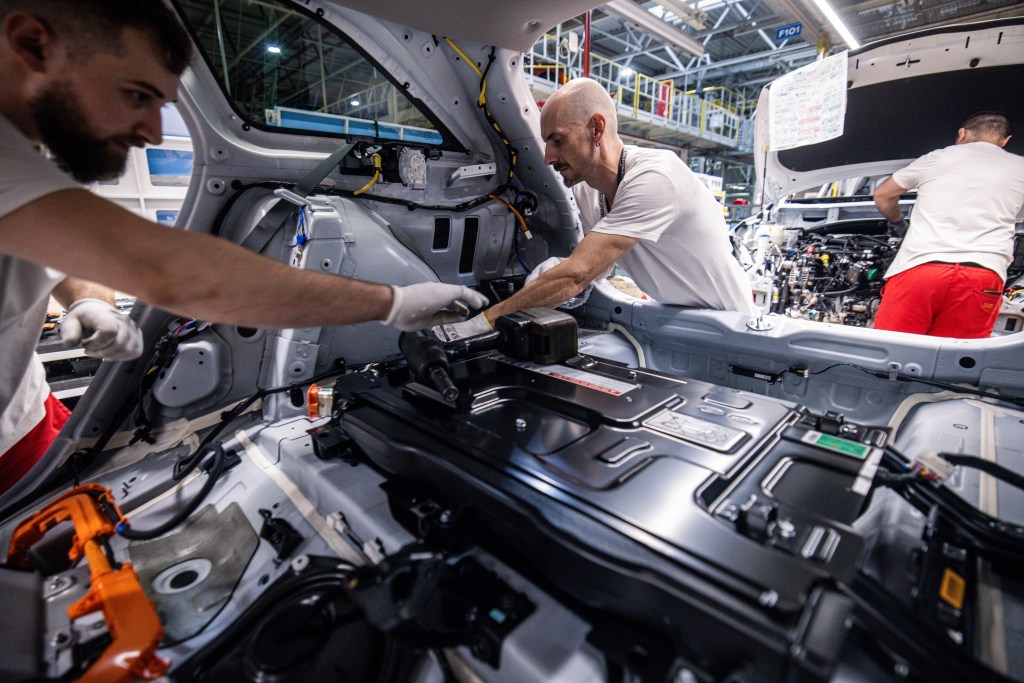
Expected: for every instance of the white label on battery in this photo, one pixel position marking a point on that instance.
(580, 377)
(694, 429)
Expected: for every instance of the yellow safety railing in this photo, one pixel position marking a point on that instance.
(724, 97)
(547, 63)
(715, 113)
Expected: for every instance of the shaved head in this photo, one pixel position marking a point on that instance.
(580, 132)
(578, 100)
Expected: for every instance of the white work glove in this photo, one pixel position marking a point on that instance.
(546, 264)
(473, 327)
(417, 307)
(103, 331)
(579, 299)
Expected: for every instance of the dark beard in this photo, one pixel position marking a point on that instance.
(63, 129)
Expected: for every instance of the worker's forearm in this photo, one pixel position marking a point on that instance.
(889, 207)
(887, 199)
(236, 286)
(71, 289)
(593, 257)
(547, 290)
(186, 273)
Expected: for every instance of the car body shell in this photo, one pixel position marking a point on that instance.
(592, 562)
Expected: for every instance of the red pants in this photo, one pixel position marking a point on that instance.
(941, 300)
(20, 457)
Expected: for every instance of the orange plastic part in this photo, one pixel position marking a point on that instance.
(131, 619)
(313, 401)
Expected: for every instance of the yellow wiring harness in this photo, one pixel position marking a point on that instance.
(376, 174)
(481, 100)
(482, 103)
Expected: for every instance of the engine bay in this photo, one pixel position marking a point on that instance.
(825, 260)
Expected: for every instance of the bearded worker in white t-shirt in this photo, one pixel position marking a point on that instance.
(87, 79)
(642, 209)
(947, 278)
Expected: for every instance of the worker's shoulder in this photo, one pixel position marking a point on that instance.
(657, 166)
(653, 159)
(1002, 162)
(1014, 159)
(982, 156)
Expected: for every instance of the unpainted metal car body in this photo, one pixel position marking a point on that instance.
(691, 495)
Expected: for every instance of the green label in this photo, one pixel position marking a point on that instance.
(844, 446)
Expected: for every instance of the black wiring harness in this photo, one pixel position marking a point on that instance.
(804, 372)
(994, 539)
(216, 451)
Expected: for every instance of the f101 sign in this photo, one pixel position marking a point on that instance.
(788, 31)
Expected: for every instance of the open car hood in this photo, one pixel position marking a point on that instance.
(955, 71)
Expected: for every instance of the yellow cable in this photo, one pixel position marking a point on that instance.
(465, 58)
(481, 100)
(376, 174)
(482, 103)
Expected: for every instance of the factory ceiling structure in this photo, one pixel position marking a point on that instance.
(732, 47)
(735, 43)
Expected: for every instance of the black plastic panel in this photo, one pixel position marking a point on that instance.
(907, 118)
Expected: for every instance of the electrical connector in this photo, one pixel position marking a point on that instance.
(931, 466)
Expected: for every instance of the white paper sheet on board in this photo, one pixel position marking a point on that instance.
(808, 105)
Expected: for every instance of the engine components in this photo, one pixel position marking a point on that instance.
(832, 273)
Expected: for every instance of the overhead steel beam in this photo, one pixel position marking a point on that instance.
(795, 11)
(770, 25)
(757, 60)
(635, 49)
(695, 18)
(718, 22)
(735, 29)
(656, 27)
(760, 31)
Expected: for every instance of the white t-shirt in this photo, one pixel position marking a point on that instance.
(969, 197)
(684, 256)
(25, 175)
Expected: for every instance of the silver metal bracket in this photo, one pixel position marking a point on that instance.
(464, 172)
(760, 324)
(299, 200)
(894, 371)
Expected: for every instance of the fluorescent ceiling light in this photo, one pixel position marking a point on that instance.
(354, 103)
(837, 23)
(273, 49)
(626, 72)
(631, 11)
